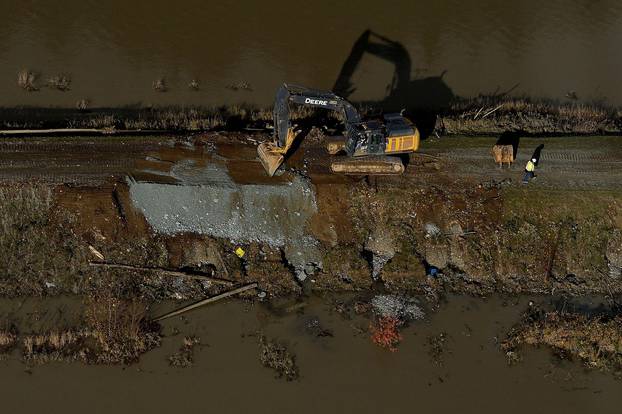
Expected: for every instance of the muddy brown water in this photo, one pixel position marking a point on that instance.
(343, 373)
(114, 50)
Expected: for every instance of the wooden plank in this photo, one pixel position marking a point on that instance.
(205, 302)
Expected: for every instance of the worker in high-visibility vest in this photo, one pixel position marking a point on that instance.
(529, 170)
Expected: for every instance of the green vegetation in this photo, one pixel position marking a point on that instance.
(535, 204)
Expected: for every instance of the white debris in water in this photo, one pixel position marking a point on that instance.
(398, 307)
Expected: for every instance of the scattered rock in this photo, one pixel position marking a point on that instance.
(438, 347)
(314, 327)
(381, 245)
(614, 254)
(402, 308)
(432, 230)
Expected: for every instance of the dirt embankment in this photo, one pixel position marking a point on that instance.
(459, 235)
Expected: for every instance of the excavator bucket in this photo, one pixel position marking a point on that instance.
(270, 158)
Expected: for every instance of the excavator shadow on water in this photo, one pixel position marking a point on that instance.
(421, 99)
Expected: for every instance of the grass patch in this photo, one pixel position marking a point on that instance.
(41, 253)
(115, 331)
(534, 204)
(557, 204)
(597, 341)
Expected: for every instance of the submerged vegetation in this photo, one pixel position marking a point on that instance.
(184, 358)
(114, 331)
(276, 356)
(26, 80)
(60, 82)
(595, 340)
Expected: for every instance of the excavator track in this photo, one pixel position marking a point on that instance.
(380, 165)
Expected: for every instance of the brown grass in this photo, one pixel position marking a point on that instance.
(26, 80)
(537, 116)
(479, 115)
(184, 358)
(82, 104)
(115, 331)
(38, 246)
(597, 341)
(275, 355)
(120, 329)
(194, 85)
(61, 82)
(159, 85)
(8, 339)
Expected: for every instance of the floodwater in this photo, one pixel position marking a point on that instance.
(419, 53)
(343, 373)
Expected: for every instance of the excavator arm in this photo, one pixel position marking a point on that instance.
(379, 46)
(273, 154)
(307, 97)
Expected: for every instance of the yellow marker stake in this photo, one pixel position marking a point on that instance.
(239, 252)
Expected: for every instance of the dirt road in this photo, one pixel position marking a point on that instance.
(581, 162)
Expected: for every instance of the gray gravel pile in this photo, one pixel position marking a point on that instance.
(208, 202)
(399, 307)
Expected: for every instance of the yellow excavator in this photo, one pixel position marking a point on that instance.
(368, 147)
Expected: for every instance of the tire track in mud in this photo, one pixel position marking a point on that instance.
(83, 161)
(546, 156)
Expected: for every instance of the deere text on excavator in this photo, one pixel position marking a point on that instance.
(370, 146)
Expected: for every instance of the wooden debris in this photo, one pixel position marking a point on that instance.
(203, 302)
(163, 272)
(96, 253)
